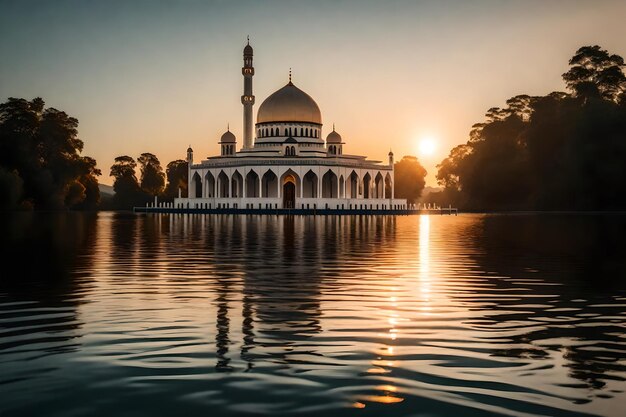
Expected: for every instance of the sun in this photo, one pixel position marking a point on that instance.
(427, 146)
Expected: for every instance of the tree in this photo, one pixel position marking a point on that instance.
(596, 73)
(177, 174)
(559, 151)
(89, 181)
(41, 146)
(409, 179)
(11, 189)
(127, 190)
(152, 177)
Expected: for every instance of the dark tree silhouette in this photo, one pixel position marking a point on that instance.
(127, 190)
(595, 73)
(559, 151)
(152, 177)
(409, 179)
(177, 175)
(40, 162)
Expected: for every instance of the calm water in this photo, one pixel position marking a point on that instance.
(122, 315)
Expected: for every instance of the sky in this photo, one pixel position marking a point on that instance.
(158, 76)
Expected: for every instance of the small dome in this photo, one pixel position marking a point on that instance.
(228, 137)
(247, 50)
(189, 149)
(333, 137)
(289, 104)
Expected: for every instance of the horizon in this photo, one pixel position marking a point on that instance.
(156, 77)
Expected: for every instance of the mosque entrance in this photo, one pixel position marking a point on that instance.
(289, 192)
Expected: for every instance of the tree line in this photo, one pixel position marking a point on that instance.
(561, 151)
(40, 162)
(131, 192)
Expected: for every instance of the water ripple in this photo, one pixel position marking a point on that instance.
(166, 314)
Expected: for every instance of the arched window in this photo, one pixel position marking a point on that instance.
(289, 131)
(301, 132)
(286, 132)
(293, 150)
(307, 132)
(272, 131)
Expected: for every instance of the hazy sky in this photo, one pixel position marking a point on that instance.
(157, 76)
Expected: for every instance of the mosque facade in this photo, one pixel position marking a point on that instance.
(284, 163)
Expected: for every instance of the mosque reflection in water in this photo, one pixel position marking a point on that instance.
(337, 312)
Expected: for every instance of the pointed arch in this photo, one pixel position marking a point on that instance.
(309, 185)
(388, 186)
(209, 185)
(296, 178)
(379, 186)
(352, 185)
(367, 185)
(329, 184)
(342, 187)
(236, 185)
(252, 184)
(197, 182)
(222, 185)
(269, 184)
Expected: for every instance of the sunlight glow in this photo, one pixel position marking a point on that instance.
(427, 146)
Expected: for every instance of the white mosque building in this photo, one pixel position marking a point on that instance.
(285, 164)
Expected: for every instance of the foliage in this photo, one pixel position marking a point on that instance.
(409, 179)
(177, 175)
(40, 160)
(127, 191)
(152, 177)
(559, 151)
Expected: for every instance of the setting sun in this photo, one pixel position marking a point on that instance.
(427, 146)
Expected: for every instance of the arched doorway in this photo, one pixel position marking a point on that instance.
(289, 192)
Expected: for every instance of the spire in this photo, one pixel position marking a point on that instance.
(290, 76)
(248, 39)
(333, 127)
(228, 127)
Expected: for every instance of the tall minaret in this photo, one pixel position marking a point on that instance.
(247, 99)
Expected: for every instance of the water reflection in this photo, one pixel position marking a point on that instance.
(474, 315)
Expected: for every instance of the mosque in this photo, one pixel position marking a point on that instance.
(285, 164)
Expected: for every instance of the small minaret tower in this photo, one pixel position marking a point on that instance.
(189, 163)
(390, 158)
(247, 99)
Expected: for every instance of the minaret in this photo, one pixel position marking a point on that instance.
(189, 164)
(247, 99)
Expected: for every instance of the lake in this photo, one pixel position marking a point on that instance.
(116, 314)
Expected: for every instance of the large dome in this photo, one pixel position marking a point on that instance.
(289, 104)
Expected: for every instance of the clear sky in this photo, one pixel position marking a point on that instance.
(157, 76)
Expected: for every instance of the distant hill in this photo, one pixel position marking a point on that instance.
(106, 191)
(427, 191)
